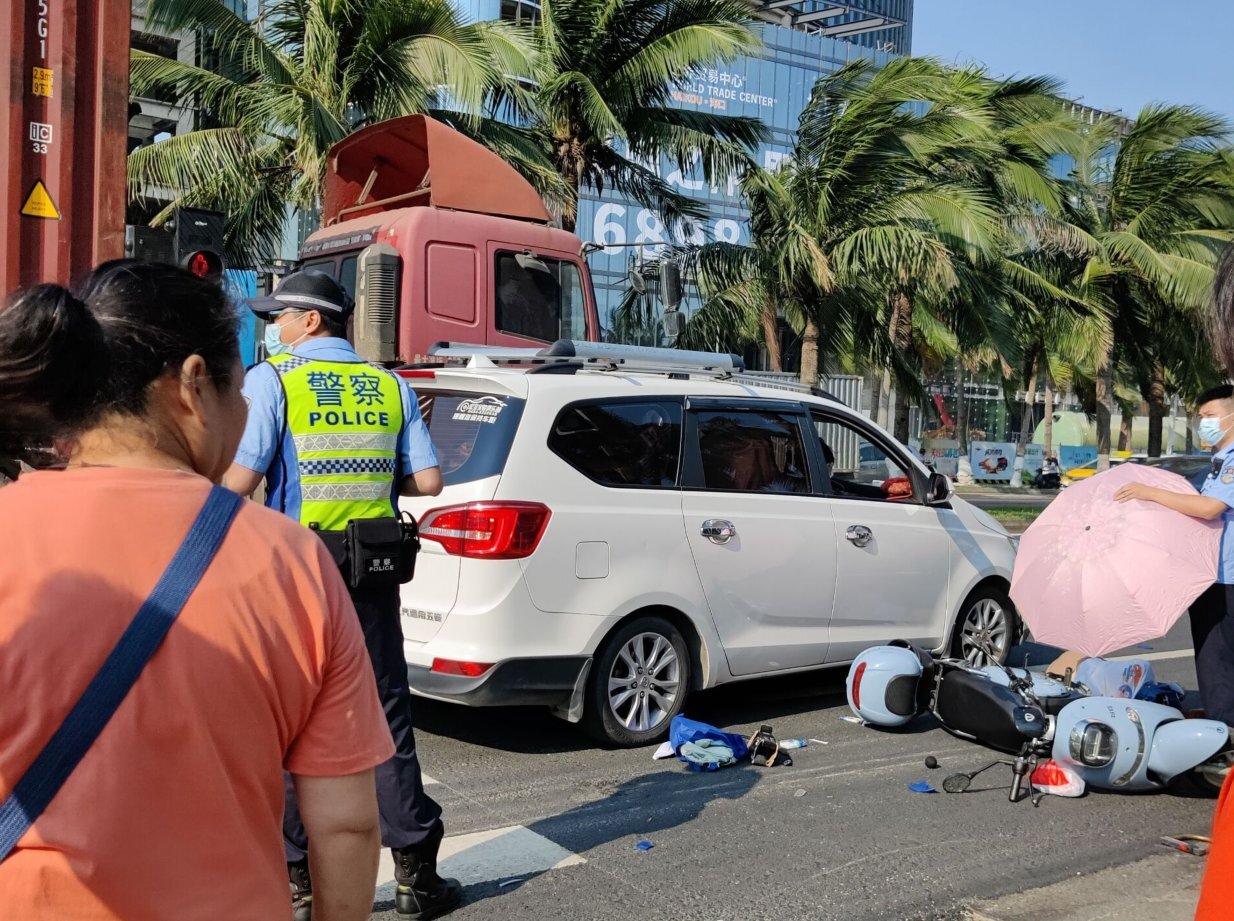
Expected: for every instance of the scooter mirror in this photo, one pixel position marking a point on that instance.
(957, 783)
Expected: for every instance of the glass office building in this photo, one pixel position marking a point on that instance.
(803, 39)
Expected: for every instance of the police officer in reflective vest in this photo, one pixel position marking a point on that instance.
(338, 440)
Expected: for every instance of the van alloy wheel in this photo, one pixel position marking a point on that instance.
(644, 683)
(988, 626)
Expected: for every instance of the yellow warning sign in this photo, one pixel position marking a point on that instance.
(43, 82)
(39, 203)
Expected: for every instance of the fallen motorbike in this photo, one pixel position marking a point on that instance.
(1047, 481)
(1112, 743)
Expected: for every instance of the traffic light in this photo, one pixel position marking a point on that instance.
(198, 242)
(192, 239)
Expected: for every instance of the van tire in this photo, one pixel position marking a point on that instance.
(987, 612)
(644, 641)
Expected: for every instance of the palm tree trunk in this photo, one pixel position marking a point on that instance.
(1030, 401)
(771, 334)
(1156, 410)
(809, 353)
(1190, 446)
(1126, 420)
(961, 409)
(876, 394)
(1048, 433)
(902, 341)
(1105, 412)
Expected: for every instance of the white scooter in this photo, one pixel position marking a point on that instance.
(1112, 743)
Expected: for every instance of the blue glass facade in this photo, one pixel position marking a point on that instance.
(773, 87)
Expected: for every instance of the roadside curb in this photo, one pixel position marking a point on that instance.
(1163, 887)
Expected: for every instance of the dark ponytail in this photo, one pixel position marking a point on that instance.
(53, 365)
(67, 361)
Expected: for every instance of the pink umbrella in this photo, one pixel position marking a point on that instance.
(1095, 575)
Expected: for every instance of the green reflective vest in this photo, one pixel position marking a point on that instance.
(344, 419)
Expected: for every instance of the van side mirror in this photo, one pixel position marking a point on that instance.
(377, 297)
(938, 490)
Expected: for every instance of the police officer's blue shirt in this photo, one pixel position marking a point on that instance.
(1220, 485)
(259, 448)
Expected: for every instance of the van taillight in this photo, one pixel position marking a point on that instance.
(487, 530)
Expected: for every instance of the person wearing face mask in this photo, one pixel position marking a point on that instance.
(337, 441)
(174, 809)
(1212, 615)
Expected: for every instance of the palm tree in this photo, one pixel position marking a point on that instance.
(605, 74)
(856, 223)
(1160, 209)
(299, 79)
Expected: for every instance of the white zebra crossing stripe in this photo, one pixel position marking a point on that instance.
(485, 856)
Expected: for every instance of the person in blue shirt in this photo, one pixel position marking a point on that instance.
(351, 442)
(1212, 620)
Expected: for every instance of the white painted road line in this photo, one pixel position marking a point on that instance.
(426, 780)
(1156, 656)
(484, 856)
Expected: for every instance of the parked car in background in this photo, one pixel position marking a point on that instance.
(620, 527)
(1084, 471)
(1193, 468)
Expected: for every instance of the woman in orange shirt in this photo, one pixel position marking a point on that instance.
(175, 809)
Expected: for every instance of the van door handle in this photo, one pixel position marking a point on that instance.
(859, 535)
(719, 531)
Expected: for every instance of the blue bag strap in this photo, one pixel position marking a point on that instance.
(107, 690)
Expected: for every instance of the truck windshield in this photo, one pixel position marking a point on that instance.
(341, 270)
(539, 298)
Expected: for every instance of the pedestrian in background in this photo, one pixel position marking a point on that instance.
(337, 441)
(174, 810)
(1217, 892)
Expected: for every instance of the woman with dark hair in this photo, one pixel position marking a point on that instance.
(1217, 893)
(175, 809)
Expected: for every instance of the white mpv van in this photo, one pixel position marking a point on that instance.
(619, 530)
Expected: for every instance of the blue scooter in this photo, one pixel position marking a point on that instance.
(1113, 743)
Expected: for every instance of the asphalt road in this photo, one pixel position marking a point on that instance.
(837, 836)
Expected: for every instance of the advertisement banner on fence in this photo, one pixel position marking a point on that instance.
(944, 454)
(993, 461)
(1034, 457)
(1072, 456)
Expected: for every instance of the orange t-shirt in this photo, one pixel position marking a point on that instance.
(1217, 893)
(176, 810)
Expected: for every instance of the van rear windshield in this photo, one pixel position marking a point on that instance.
(472, 432)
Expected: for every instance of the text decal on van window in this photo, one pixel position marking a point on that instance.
(480, 409)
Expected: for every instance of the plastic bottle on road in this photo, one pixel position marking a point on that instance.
(789, 744)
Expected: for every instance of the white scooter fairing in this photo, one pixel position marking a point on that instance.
(1130, 745)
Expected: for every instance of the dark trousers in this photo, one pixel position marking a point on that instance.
(1212, 634)
(408, 816)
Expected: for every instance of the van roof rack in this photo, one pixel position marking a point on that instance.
(567, 355)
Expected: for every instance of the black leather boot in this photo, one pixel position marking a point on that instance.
(421, 894)
(301, 890)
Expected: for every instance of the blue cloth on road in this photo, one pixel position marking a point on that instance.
(259, 447)
(1219, 484)
(683, 731)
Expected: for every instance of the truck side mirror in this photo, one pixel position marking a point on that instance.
(673, 324)
(670, 284)
(377, 301)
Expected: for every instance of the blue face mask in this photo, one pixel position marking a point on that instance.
(1210, 431)
(274, 340)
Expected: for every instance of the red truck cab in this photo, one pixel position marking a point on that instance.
(439, 239)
